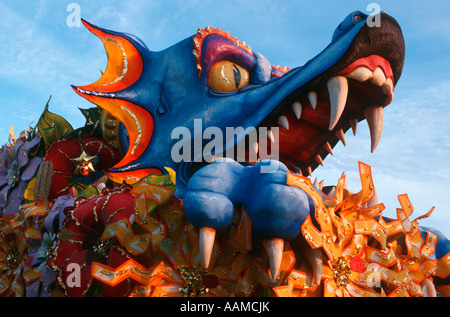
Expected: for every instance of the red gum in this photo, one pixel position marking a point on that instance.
(371, 62)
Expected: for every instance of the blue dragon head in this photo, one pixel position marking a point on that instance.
(212, 80)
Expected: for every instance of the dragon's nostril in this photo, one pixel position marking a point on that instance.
(357, 18)
(349, 22)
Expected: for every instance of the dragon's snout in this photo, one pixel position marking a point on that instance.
(352, 80)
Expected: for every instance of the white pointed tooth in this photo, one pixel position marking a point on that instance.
(309, 170)
(429, 287)
(378, 77)
(274, 248)
(340, 135)
(297, 108)
(338, 90)
(312, 97)
(344, 175)
(271, 136)
(374, 118)
(318, 159)
(316, 183)
(354, 125)
(331, 192)
(314, 257)
(283, 121)
(361, 74)
(322, 182)
(373, 201)
(388, 86)
(328, 148)
(206, 243)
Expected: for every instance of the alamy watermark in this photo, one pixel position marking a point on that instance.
(74, 18)
(374, 18)
(74, 277)
(243, 145)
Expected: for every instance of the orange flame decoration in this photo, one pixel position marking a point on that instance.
(350, 230)
(361, 253)
(124, 68)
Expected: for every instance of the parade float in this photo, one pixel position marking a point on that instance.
(145, 200)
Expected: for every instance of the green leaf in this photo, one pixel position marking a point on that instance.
(92, 125)
(160, 180)
(52, 127)
(65, 234)
(89, 191)
(85, 190)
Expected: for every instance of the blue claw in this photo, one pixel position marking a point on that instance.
(276, 209)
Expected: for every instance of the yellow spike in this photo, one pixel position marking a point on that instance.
(172, 173)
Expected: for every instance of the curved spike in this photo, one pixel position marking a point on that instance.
(338, 90)
(206, 243)
(374, 200)
(297, 108)
(133, 117)
(312, 97)
(316, 183)
(321, 183)
(328, 148)
(332, 192)
(125, 66)
(354, 125)
(314, 257)
(318, 159)
(125, 63)
(429, 287)
(340, 135)
(274, 248)
(283, 121)
(374, 118)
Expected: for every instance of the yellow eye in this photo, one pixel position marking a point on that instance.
(226, 76)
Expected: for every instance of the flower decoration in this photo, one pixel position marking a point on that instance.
(17, 168)
(174, 249)
(83, 240)
(12, 258)
(41, 277)
(67, 230)
(78, 160)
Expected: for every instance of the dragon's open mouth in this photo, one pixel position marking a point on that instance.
(314, 118)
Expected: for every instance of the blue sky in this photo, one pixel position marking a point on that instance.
(42, 56)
